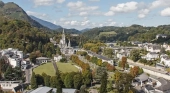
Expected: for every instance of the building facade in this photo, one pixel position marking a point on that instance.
(65, 47)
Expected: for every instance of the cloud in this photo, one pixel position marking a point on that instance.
(159, 3)
(46, 2)
(122, 8)
(143, 13)
(83, 13)
(81, 9)
(166, 12)
(110, 13)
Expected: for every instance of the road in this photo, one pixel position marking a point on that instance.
(28, 73)
(130, 62)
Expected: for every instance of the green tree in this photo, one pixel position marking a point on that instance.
(77, 81)
(87, 77)
(103, 87)
(33, 81)
(135, 55)
(99, 73)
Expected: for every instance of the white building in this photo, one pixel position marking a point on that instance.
(41, 60)
(153, 48)
(151, 56)
(64, 47)
(57, 58)
(161, 35)
(166, 46)
(9, 85)
(165, 60)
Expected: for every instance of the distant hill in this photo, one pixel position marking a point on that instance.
(46, 23)
(84, 30)
(13, 11)
(69, 31)
(131, 33)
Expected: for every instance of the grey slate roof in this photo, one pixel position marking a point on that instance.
(165, 84)
(46, 89)
(42, 90)
(142, 77)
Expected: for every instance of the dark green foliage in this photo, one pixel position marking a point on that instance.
(4, 64)
(103, 87)
(13, 73)
(63, 60)
(135, 55)
(99, 73)
(69, 82)
(33, 81)
(59, 83)
(77, 81)
(87, 77)
(39, 79)
(19, 34)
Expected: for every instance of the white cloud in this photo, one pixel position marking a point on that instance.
(46, 2)
(83, 13)
(110, 13)
(86, 22)
(124, 7)
(81, 9)
(77, 4)
(159, 3)
(166, 12)
(143, 13)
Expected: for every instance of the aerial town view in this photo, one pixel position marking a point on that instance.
(84, 46)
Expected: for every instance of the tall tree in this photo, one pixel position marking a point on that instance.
(103, 87)
(135, 55)
(77, 81)
(124, 62)
(33, 81)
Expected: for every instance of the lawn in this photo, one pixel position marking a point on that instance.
(111, 33)
(49, 69)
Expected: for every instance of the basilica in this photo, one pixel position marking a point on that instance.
(65, 47)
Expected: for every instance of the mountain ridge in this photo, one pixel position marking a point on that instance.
(46, 23)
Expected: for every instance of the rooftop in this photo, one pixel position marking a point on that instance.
(42, 90)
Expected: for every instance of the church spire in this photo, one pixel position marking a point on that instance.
(69, 44)
(63, 31)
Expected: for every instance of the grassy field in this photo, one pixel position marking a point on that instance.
(49, 69)
(107, 33)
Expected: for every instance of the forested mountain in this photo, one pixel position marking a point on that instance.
(131, 33)
(20, 34)
(13, 11)
(46, 23)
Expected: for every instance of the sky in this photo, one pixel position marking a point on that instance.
(81, 14)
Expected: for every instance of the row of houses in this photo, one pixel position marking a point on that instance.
(14, 57)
